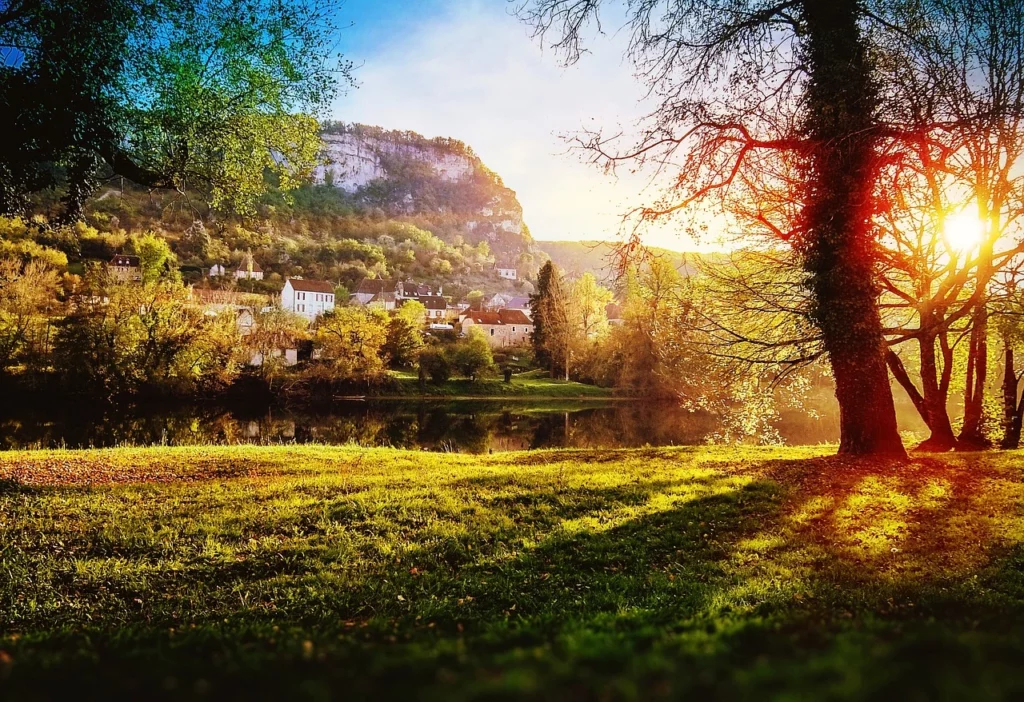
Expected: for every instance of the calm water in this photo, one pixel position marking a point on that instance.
(469, 427)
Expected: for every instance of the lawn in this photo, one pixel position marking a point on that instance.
(311, 573)
(533, 384)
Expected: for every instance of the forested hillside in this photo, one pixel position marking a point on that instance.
(382, 203)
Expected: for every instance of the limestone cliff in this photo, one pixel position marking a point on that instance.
(404, 173)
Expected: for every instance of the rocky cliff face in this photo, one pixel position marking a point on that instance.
(403, 173)
(355, 159)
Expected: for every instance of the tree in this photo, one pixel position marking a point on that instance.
(130, 338)
(555, 331)
(166, 93)
(273, 331)
(953, 75)
(590, 301)
(352, 340)
(435, 363)
(545, 278)
(405, 334)
(28, 292)
(472, 355)
(746, 87)
(155, 257)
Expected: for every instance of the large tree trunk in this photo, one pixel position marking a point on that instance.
(839, 250)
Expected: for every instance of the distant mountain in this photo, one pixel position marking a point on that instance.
(600, 258)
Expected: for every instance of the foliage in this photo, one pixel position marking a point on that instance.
(471, 356)
(352, 340)
(28, 295)
(405, 335)
(155, 257)
(144, 338)
(274, 331)
(434, 363)
(168, 94)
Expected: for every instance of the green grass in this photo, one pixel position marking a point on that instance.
(316, 573)
(532, 384)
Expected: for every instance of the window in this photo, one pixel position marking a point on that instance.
(513, 328)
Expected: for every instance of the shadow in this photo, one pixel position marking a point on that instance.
(817, 578)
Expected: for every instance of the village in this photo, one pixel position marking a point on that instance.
(504, 319)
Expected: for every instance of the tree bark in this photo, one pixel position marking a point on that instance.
(931, 403)
(1013, 410)
(839, 249)
(972, 436)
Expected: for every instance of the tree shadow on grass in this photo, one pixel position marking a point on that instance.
(819, 578)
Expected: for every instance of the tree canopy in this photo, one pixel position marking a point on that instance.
(206, 95)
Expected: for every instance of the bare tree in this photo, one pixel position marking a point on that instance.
(743, 86)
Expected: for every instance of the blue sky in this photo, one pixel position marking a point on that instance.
(469, 70)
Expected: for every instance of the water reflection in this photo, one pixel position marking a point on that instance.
(471, 427)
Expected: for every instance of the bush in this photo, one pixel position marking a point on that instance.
(435, 363)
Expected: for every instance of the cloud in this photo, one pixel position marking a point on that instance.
(471, 71)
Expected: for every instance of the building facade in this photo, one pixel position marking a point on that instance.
(125, 269)
(502, 328)
(309, 298)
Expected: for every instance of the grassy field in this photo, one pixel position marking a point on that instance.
(528, 385)
(312, 573)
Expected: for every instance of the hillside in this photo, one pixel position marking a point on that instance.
(442, 179)
(599, 257)
(383, 203)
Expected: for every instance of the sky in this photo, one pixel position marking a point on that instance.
(469, 69)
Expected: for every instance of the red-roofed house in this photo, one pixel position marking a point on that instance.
(502, 328)
(125, 269)
(309, 298)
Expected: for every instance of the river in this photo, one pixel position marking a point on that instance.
(463, 426)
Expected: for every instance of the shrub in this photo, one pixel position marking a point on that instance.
(434, 362)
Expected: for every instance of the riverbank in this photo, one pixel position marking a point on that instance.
(309, 572)
(533, 385)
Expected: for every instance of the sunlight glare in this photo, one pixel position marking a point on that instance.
(964, 231)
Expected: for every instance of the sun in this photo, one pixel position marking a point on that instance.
(963, 231)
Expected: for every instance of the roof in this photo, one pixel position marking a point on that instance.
(122, 260)
(505, 265)
(434, 303)
(499, 318)
(483, 317)
(372, 286)
(307, 285)
(244, 265)
(520, 302)
(513, 317)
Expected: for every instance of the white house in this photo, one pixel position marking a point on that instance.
(437, 308)
(248, 269)
(217, 270)
(506, 271)
(309, 298)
